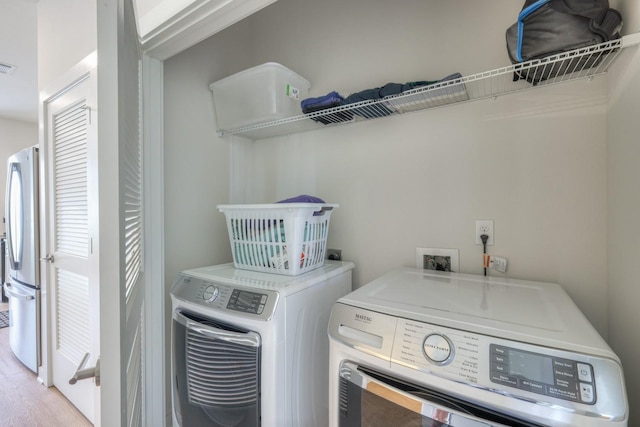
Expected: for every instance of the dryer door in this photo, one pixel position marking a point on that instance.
(374, 399)
(216, 373)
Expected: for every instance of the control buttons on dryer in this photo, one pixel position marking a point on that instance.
(584, 373)
(542, 374)
(586, 392)
(438, 349)
(211, 293)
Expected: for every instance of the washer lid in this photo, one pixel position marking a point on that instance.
(534, 312)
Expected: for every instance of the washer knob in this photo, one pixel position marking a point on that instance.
(438, 349)
(211, 293)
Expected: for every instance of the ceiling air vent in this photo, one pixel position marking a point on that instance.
(6, 68)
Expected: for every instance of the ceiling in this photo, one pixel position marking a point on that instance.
(193, 20)
(19, 44)
(18, 47)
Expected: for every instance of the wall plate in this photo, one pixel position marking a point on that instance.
(437, 259)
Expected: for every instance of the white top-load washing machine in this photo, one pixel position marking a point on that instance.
(251, 349)
(417, 347)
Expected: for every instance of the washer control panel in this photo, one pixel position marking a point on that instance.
(494, 363)
(244, 301)
(481, 365)
(452, 354)
(542, 374)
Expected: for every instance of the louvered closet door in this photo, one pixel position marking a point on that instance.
(73, 294)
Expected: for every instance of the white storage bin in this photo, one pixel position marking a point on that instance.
(281, 238)
(260, 94)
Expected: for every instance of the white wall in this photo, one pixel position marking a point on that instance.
(403, 182)
(422, 180)
(623, 154)
(14, 136)
(196, 160)
(630, 10)
(535, 162)
(67, 33)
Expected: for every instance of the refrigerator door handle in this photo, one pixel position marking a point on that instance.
(15, 215)
(12, 293)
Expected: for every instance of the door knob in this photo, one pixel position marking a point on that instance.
(48, 258)
(83, 373)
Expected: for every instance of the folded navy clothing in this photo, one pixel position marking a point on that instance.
(380, 110)
(449, 77)
(332, 99)
(369, 111)
(386, 90)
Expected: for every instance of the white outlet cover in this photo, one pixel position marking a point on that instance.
(454, 260)
(484, 224)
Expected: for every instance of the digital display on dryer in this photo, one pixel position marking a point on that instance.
(248, 302)
(245, 299)
(531, 366)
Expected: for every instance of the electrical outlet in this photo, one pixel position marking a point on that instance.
(334, 254)
(484, 227)
(437, 259)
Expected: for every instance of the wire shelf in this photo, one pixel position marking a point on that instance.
(564, 67)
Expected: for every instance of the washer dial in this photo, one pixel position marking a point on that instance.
(211, 293)
(438, 349)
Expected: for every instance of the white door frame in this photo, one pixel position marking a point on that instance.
(113, 407)
(116, 59)
(158, 409)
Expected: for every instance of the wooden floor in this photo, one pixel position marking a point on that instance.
(26, 403)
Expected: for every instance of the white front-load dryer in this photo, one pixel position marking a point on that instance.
(251, 349)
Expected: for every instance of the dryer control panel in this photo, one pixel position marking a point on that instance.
(256, 304)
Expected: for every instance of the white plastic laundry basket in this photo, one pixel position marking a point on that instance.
(281, 238)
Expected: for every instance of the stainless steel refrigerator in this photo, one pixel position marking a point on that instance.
(23, 249)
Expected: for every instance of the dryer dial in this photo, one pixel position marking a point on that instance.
(211, 293)
(438, 349)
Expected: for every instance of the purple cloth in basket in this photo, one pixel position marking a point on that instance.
(303, 198)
